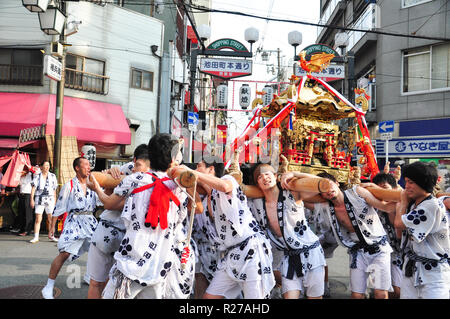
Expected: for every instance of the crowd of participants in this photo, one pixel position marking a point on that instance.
(221, 238)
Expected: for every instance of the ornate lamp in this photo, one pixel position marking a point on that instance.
(35, 5)
(52, 20)
(251, 36)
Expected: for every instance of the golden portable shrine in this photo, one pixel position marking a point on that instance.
(307, 117)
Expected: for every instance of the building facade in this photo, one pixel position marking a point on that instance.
(407, 78)
(111, 77)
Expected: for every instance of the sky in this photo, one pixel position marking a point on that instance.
(272, 35)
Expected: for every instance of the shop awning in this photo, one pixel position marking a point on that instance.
(12, 143)
(88, 120)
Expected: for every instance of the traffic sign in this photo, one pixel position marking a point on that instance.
(386, 127)
(192, 127)
(192, 118)
(386, 136)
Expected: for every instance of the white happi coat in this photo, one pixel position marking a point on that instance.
(205, 236)
(297, 237)
(110, 230)
(394, 242)
(247, 250)
(427, 237)
(78, 229)
(144, 255)
(368, 221)
(180, 279)
(45, 188)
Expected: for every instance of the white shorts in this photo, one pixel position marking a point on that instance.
(39, 209)
(311, 284)
(377, 265)
(277, 258)
(396, 275)
(435, 290)
(136, 291)
(224, 285)
(98, 264)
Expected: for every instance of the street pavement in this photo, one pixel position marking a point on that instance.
(26, 264)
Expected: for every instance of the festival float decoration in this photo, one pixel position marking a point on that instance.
(306, 118)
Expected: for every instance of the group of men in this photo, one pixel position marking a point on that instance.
(249, 240)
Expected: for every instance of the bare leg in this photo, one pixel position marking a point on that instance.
(57, 263)
(292, 294)
(357, 295)
(37, 225)
(208, 296)
(96, 289)
(380, 294)
(50, 226)
(201, 283)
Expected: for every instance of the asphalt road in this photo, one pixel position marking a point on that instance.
(26, 264)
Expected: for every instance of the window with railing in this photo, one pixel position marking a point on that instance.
(86, 74)
(141, 79)
(21, 66)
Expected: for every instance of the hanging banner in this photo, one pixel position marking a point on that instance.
(221, 134)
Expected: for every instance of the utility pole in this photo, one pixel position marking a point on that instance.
(59, 104)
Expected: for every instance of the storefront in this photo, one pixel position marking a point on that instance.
(427, 141)
(103, 125)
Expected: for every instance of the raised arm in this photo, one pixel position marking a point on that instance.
(374, 202)
(252, 191)
(215, 182)
(111, 202)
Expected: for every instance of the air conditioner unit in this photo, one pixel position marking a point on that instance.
(56, 49)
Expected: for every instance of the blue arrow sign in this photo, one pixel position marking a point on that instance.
(192, 118)
(386, 127)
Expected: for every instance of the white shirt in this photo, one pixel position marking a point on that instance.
(25, 183)
(46, 186)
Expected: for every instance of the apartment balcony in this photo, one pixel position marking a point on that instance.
(88, 82)
(333, 10)
(12, 74)
(368, 20)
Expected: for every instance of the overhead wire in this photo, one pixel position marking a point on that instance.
(378, 31)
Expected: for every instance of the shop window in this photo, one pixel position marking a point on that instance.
(86, 74)
(426, 69)
(141, 79)
(21, 66)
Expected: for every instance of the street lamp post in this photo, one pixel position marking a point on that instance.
(203, 32)
(341, 41)
(52, 20)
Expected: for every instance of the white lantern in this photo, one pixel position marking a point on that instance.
(204, 32)
(244, 96)
(340, 39)
(251, 35)
(88, 151)
(267, 98)
(35, 5)
(52, 21)
(295, 38)
(222, 95)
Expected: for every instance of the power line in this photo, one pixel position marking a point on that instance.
(204, 9)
